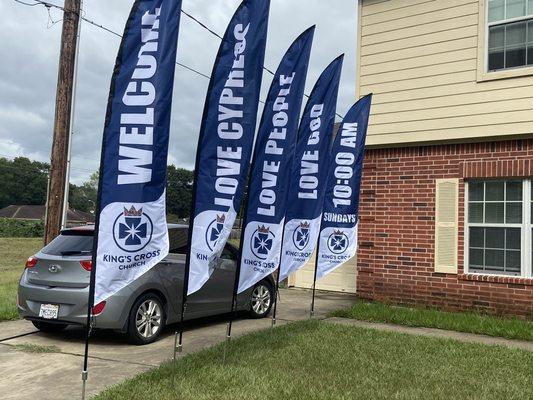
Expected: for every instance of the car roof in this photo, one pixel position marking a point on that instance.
(90, 227)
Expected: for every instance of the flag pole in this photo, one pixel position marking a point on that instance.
(178, 335)
(233, 311)
(312, 310)
(276, 294)
(92, 279)
(276, 291)
(88, 327)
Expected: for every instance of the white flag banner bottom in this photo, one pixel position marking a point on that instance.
(129, 244)
(261, 254)
(299, 243)
(211, 231)
(336, 246)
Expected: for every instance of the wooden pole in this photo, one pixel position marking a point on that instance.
(62, 121)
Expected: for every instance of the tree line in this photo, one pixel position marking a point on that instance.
(24, 182)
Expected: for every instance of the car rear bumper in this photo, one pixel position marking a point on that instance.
(72, 305)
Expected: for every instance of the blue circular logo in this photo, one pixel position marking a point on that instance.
(300, 236)
(132, 230)
(261, 243)
(338, 242)
(213, 231)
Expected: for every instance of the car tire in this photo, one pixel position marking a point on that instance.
(261, 300)
(146, 320)
(49, 327)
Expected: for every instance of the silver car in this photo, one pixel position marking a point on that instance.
(53, 290)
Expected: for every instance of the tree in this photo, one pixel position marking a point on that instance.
(83, 197)
(179, 191)
(23, 181)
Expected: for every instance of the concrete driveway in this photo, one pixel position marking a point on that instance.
(57, 375)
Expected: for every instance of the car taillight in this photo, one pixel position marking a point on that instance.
(87, 265)
(97, 309)
(31, 262)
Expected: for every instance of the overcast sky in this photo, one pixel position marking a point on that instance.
(28, 73)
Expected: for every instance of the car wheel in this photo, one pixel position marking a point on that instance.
(49, 327)
(261, 300)
(146, 320)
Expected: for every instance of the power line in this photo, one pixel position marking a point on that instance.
(91, 22)
(28, 4)
(190, 16)
(220, 37)
(201, 24)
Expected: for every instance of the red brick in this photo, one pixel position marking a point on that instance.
(397, 210)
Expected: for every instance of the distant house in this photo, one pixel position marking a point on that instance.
(27, 212)
(446, 207)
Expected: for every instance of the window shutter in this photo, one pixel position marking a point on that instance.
(446, 225)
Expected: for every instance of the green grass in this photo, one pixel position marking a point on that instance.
(317, 360)
(14, 252)
(510, 328)
(36, 348)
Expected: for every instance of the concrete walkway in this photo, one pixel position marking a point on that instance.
(432, 332)
(57, 375)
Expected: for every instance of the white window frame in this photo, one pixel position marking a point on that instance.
(526, 270)
(483, 74)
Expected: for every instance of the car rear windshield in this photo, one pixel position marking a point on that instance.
(80, 242)
(71, 243)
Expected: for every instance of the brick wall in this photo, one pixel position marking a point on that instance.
(397, 227)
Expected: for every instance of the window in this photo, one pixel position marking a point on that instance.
(510, 34)
(498, 221)
(71, 242)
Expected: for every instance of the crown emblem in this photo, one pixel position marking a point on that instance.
(304, 225)
(263, 229)
(338, 232)
(221, 218)
(133, 212)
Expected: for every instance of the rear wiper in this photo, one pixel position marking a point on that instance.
(75, 252)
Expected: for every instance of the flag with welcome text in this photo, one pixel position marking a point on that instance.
(226, 137)
(309, 171)
(338, 231)
(131, 228)
(273, 154)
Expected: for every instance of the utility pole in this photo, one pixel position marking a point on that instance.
(62, 122)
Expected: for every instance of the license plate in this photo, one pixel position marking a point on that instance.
(49, 311)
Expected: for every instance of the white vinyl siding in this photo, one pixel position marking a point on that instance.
(498, 228)
(446, 225)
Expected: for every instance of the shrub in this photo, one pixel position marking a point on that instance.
(21, 228)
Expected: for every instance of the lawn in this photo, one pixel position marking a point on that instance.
(510, 328)
(14, 253)
(320, 360)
